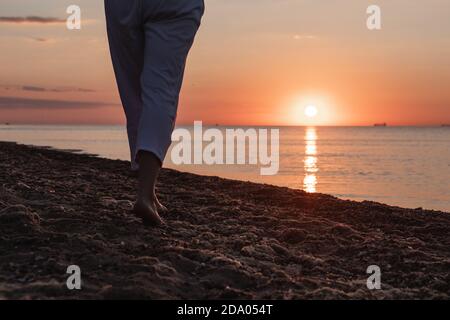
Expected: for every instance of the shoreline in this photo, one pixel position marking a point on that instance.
(224, 238)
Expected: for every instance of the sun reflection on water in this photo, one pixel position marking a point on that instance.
(310, 161)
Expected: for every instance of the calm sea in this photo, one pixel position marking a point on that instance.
(403, 166)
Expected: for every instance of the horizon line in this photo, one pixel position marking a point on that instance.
(5, 124)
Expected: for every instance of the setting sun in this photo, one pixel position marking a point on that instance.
(311, 111)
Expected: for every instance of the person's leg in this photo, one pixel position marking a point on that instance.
(169, 34)
(146, 205)
(126, 41)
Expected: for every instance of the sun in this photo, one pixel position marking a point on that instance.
(311, 111)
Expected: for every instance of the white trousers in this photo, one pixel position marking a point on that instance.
(149, 42)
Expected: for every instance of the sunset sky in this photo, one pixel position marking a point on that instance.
(255, 62)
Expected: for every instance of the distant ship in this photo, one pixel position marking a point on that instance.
(446, 125)
(380, 124)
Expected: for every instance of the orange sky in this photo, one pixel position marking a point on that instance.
(254, 62)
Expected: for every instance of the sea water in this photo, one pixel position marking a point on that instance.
(402, 166)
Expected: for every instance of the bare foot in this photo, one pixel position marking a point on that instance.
(159, 206)
(147, 211)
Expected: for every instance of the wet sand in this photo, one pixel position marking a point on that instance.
(223, 238)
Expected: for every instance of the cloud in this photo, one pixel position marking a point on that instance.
(32, 88)
(30, 103)
(70, 89)
(42, 39)
(31, 20)
(43, 89)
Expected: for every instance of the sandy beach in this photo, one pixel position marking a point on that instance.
(223, 238)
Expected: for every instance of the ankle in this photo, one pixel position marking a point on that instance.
(145, 198)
